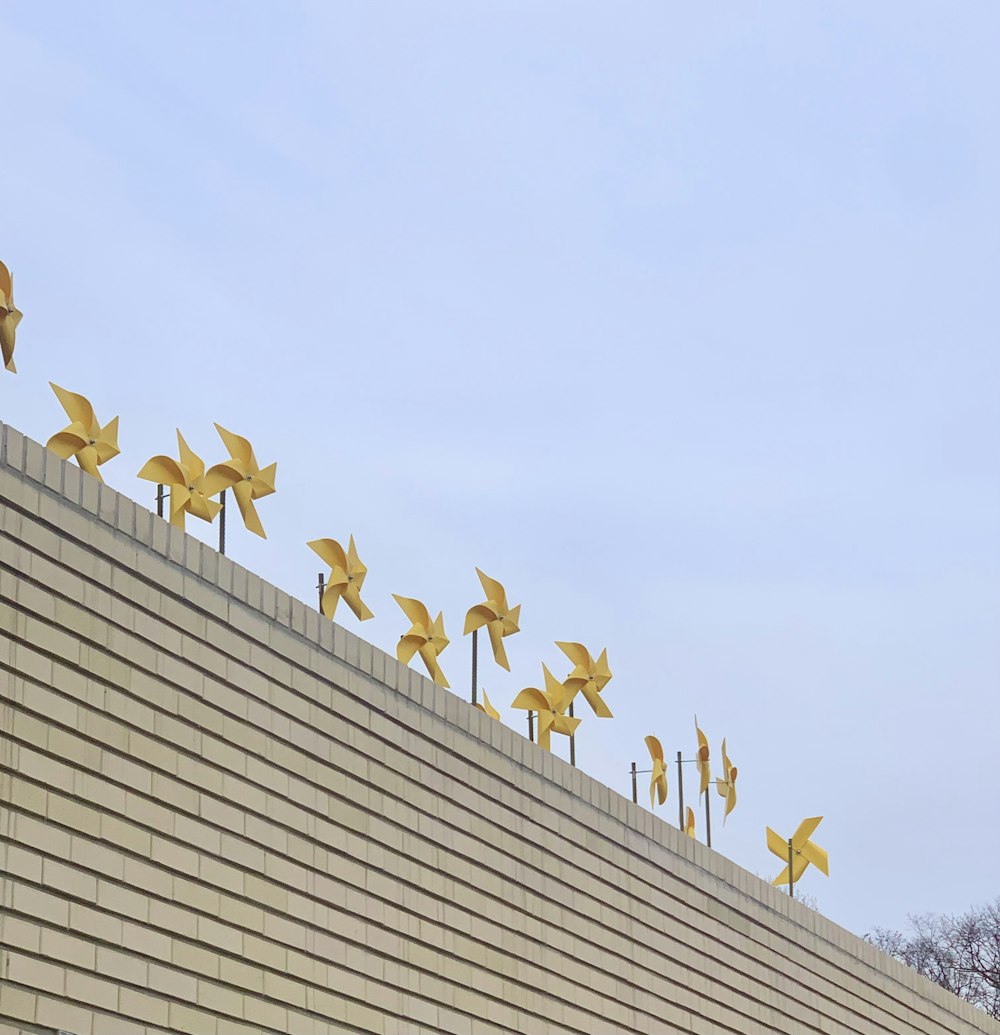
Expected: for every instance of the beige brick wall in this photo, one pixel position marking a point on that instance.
(222, 815)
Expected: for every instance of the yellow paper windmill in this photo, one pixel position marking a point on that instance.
(658, 780)
(485, 706)
(727, 785)
(191, 486)
(425, 638)
(500, 619)
(84, 439)
(254, 482)
(347, 576)
(704, 768)
(10, 317)
(588, 677)
(546, 705)
(804, 851)
(689, 823)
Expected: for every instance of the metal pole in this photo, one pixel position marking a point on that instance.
(531, 726)
(572, 740)
(680, 790)
(475, 662)
(222, 524)
(635, 786)
(321, 585)
(708, 817)
(159, 501)
(791, 857)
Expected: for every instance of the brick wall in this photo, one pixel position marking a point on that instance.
(220, 814)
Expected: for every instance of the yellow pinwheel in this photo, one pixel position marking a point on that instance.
(425, 638)
(84, 439)
(347, 576)
(727, 785)
(588, 677)
(803, 851)
(254, 482)
(658, 780)
(689, 823)
(10, 317)
(546, 705)
(191, 486)
(704, 768)
(500, 619)
(487, 708)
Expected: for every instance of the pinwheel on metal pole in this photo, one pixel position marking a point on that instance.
(254, 483)
(798, 852)
(658, 779)
(191, 486)
(84, 438)
(727, 785)
(500, 620)
(588, 677)
(705, 774)
(546, 706)
(347, 576)
(10, 317)
(425, 638)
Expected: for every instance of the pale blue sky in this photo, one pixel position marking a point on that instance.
(680, 320)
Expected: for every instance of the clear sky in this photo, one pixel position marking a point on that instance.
(680, 320)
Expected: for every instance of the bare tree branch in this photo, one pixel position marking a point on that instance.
(959, 953)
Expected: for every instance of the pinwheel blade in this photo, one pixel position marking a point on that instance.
(329, 551)
(531, 699)
(487, 708)
(77, 407)
(782, 877)
(577, 654)
(430, 660)
(817, 856)
(107, 442)
(805, 830)
(263, 483)
(596, 702)
(689, 823)
(219, 477)
(87, 459)
(407, 647)
(239, 448)
(190, 460)
(477, 617)
(243, 491)
(495, 630)
(67, 443)
(165, 471)
(414, 610)
(331, 598)
(352, 597)
(777, 844)
(494, 590)
(354, 565)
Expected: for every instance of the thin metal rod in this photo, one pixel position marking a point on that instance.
(321, 585)
(159, 501)
(531, 726)
(708, 816)
(222, 524)
(791, 858)
(572, 740)
(475, 662)
(680, 790)
(635, 785)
